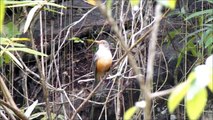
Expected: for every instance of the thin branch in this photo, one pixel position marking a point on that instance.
(151, 59)
(85, 101)
(15, 110)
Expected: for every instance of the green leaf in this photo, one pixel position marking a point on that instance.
(210, 1)
(180, 57)
(76, 40)
(130, 112)
(195, 106)
(1, 61)
(6, 58)
(11, 30)
(168, 3)
(14, 59)
(200, 13)
(2, 10)
(6, 41)
(27, 50)
(209, 42)
(109, 5)
(37, 115)
(179, 93)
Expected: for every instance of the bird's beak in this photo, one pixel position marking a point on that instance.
(98, 42)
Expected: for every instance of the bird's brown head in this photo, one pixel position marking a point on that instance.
(103, 43)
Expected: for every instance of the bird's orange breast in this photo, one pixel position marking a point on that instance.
(103, 65)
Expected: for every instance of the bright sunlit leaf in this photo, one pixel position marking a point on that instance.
(135, 4)
(2, 10)
(6, 42)
(210, 85)
(14, 59)
(27, 50)
(130, 112)
(19, 39)
(195, 106)
(30, 109)
(91, 2)
(202, 80)
(177, 95)
(209, 63)
(168, 3)
(30, 17)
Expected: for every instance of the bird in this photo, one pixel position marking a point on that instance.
(102, 59)
(102, 62)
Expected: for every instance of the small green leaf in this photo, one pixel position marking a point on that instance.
(130, 112)
(109, 5)
(179, 93)
(200, 13)
(6, 41)
(76, 40)
(2, 10)
(168, 3)
(1, 61)
(6, 58)
(195, 106)
(11, 30)
(37, 115)
(209, 42)
(180, 57)
(14, 59)
(27, 50)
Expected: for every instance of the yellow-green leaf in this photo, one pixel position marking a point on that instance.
(6, 41)
(2, 10)
(130, 112)
(134, 2)
(177, 95)
(19, 39)
(210, 85)
(27, 50)
(91, 2)
(168, 3)
(195, 106)
(14, 58)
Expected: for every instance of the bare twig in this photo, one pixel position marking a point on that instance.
(150, 64)
(15, 110)
(85, 101)
(6, 93)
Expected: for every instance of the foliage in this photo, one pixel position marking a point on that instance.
(202, 36)
(168, 3)
(9, 45)
(142, 104)
(194, 89)
(2, 10)
(76, 40)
